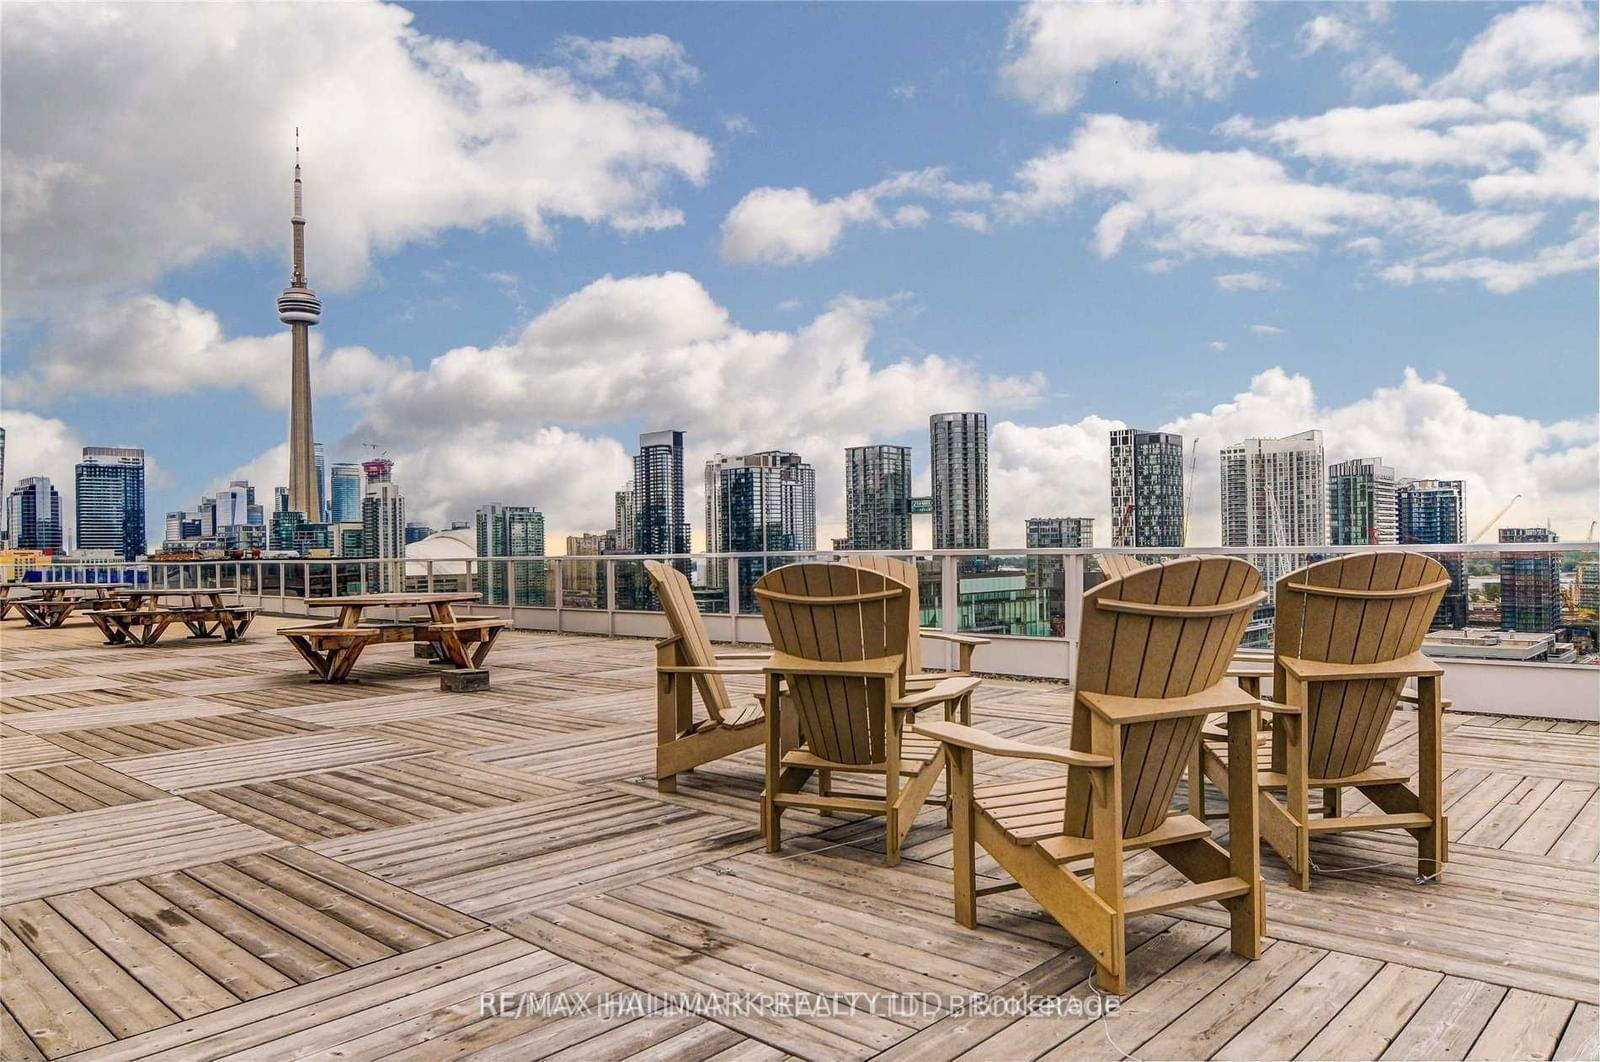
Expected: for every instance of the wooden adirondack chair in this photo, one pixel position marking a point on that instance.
(682, 742)
(1116, 565)
(1347, 635)
(1154, 651)
(905, 571)
(840, 634)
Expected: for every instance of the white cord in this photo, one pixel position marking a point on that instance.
(1106, 1028)
(1374, 866)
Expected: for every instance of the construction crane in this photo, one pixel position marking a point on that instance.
(1495, 519)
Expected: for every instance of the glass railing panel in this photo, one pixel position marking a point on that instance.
(583, 583)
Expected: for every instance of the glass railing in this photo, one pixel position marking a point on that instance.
(1511, 601)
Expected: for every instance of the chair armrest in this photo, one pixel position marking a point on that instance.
(1225, 696)
(1250, 669)
(958, 639)
(1410, 697)
(1317, 671)
(742, 656)
(947, 690)
(970, 737)
(686, 670)
(882, 667)
(1279, 708)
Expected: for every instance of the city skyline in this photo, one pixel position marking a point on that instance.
(1079, 321)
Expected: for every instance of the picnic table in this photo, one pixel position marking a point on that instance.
(333, 648)
(204, 612)
(54, 602)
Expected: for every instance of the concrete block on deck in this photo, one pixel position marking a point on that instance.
(464, 680)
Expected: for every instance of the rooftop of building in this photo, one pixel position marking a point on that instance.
(206, 854)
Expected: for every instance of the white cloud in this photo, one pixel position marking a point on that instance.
(1247, 282)
(903, 91)
(42, 446)
(737, 124)
(1504, 276)
(1171, 47)
(1217, 345)
(785, 226)
(148, 345)
(137, 141)
(657, 63)
(1328, 31)
(1424, 428)
(1533, 42)
(1236, 203)
(1380, 73)
(910, 216)
(1266, 330)
(975, 220)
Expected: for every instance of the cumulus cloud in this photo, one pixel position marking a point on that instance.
(1424, 428)
(975, 220)
(657, 64)
(1328, 31)
(786, 226)
(42, 446)
(404, 135)
(1172, 47)
(149, 345)
(1531, 43)
(1506, 275)
(1266, 330)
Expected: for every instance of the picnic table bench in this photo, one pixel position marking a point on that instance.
(56, 601)
(204, 612)
(332, 649)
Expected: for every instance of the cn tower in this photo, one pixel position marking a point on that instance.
(299, 308)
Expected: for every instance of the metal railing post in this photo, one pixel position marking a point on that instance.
(1072, 610)
(559, 591)
(611, 597)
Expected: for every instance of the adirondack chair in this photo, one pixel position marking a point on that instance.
(1154, 651)
(1116, 565)
(840, 635)
(905, 571)
(682, 742)
(1347, 635)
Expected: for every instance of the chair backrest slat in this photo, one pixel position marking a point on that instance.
(677, 602)
(1362, 609)
(1161, 631)
(905, 573)
(837, 613)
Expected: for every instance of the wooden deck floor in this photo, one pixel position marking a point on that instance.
(205, 855)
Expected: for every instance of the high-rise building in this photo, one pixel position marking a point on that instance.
(877, 497)
(1047, 576)
(1429, 511)
(1146, 488)
(318, 459)
(33, 515)
(235, 506)
(959, 445)
(285, 527)
(659, 521)
(345, 490)
(416, 531)
(511, 531)
(280, 500)
(1361, 503)
(1586, 586)
(5, 533)
(1530, 583)
(1060, 532)
(583, 581)
(383, 520)
(764, 501)
(626, 520)
(1275, 493)
(299, 308)
(110, 501)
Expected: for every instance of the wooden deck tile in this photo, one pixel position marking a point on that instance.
(102, 715)
(76, 785)
(256, 761)
(503, 862)
(169, 735)
(23, 752)
(47, 856)
(361, 799)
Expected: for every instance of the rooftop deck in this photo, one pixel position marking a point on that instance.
(205, 854)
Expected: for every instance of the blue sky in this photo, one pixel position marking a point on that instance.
(1240, 221)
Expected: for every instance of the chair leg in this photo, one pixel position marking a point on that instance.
(1332, 805)
(825, 788)
(1197, 780)
(1432, 842)
(771, 813)
(1111, 962)
(963, 842)
(1247, 914)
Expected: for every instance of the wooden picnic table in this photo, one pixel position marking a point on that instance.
(203, 611)
(333, 648)
(56, 601)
